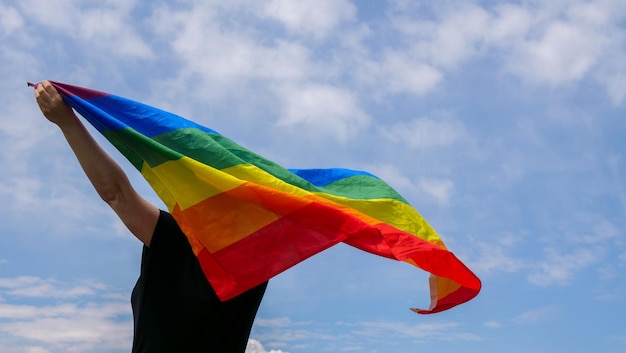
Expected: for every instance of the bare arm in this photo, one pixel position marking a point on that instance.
(107, 177)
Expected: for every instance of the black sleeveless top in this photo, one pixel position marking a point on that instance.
(175, 309)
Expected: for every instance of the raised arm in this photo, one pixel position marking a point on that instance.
(107, 177)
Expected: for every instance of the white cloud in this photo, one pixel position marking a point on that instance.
(613, 73)
(34, 287)
(459, 36)
(400, 74)
(239, 56)
(313, 17)
(24, 191)
(62, 325)
(434, 331)
(94, 325)
(509, 24)
(275, 322)
(10, 20)
(559, 268)
(108, 27)
(255, 346)
(59, 14)
(492, 324)
(493, 256)
(22, 349)
(75, 202)
(347, 335)
(456, 34)
(596, 13)
(537, 315)
(439, 189)
(425, 133)
(602, 230)
(198, 37)
(560, 43)
(322, 109)
(553, 43)
(565, 52)
(235, 63)
(26, 121)
(615, 85)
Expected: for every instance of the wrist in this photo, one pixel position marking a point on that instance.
(66, 122)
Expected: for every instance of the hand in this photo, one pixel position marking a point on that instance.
(52, 105)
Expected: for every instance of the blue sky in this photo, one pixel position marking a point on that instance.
(501, 122)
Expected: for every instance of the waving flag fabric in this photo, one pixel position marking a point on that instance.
(249, 219)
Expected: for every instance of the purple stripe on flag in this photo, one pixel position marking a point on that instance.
(84, 93)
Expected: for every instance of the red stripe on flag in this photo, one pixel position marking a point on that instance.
(460, 296)
(277, 247)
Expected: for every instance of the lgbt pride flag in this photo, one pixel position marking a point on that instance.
(248, 219)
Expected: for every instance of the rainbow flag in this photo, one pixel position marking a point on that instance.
(248, 219)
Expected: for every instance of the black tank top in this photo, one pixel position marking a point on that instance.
(175, 309)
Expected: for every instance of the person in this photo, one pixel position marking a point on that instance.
(175, 309)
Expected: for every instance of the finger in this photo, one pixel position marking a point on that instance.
(47, 86)
(40, 93)
(52, 92)
(45, 90)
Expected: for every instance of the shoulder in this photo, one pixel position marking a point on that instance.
(167, 233)
(165, 221)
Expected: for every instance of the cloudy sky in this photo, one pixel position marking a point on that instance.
(502, 122)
